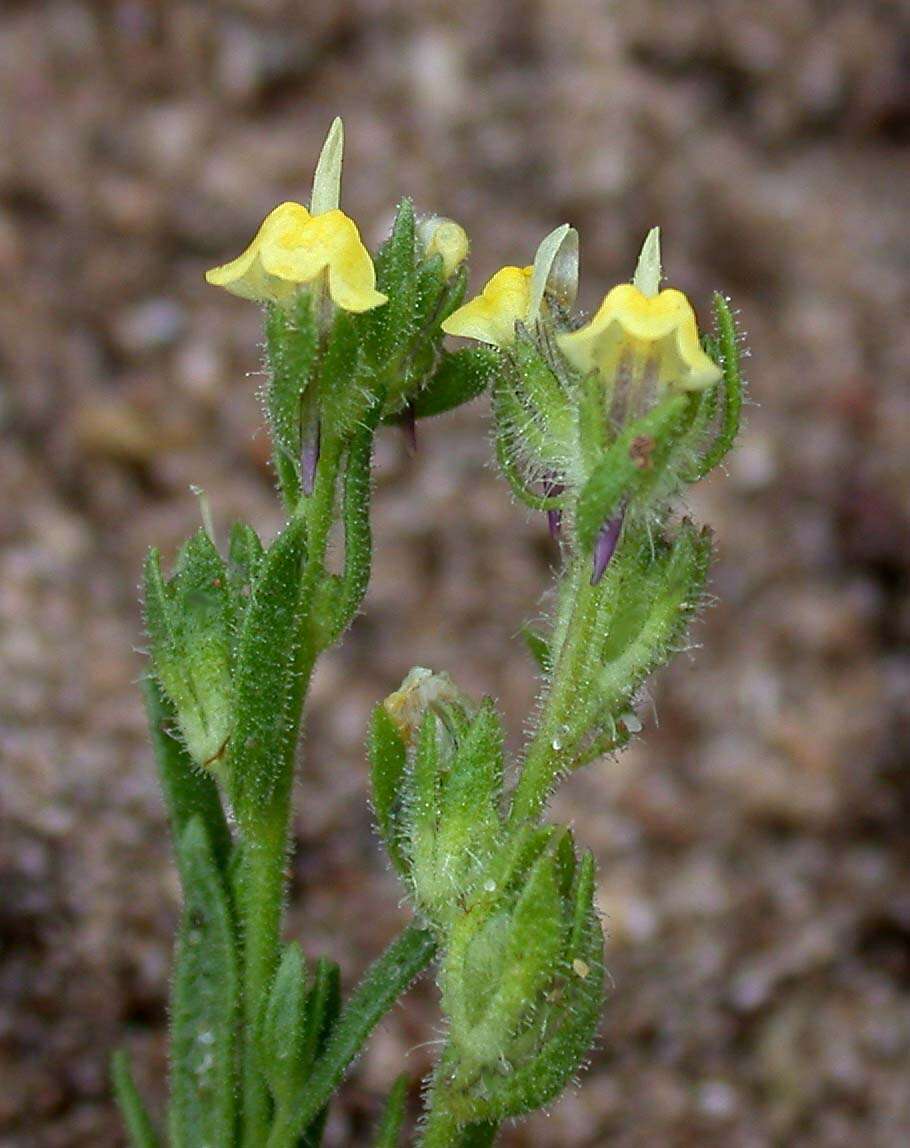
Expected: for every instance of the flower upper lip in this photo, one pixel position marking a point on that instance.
(491, 317)
(660, 328)
(293, 248)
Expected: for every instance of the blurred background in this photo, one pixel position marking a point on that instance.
(755, 860)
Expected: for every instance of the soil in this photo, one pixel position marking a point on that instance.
(753, 848)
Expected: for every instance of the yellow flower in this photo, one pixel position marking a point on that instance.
(449, 239)
(491, 317)
(293, 248)
(654, 334)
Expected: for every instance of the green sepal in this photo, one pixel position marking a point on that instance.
(523, 429)
(205, 999)
(388, 1133)
(263, 742)
(496, 968)
(282, 1028)
(547, 402)
(339, 598)
(623, 474)
(388, 761)
(292, 345)
(391, 326)
(343, 382)
(139, 1126)
(190, 623)
(725, 351)
(469, 821)
(460, 377)
(661, 593)
(564, 1031)
(538, 648)
(189, 792)
(437, 296)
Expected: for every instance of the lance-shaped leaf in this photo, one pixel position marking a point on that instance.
(390, 327)
(388, 758)
(389, 1131)
(190, 626)
(204, 1009)
(139, 1126)
(263, 742)
(282, 1029)
(725, 351)
(657, 607)
(459, 377)
(388, 977)
(496, 969)
(322, 1009)
(188, 790)
(556, 1046)
(339, 598)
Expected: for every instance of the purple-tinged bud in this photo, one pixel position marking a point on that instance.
(605, 546)
(409, 428)
(553, 489)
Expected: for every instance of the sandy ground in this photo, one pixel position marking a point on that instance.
(753, 844)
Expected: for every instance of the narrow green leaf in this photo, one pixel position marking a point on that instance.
(392, 325)
(388, 758)
(188, 790)
(204, 1006)
(389, 1131)
(646, 636)
(323, 1003)
(459, 377)
(263, 742)
(139, 1126)
(282, 1025)
(727, 355)
(620, 476)
(388, 977)
(530, 955)
(343, 596)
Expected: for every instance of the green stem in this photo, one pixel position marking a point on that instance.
(261, 903)
(388, 977)
(550, 751)
(263, 878)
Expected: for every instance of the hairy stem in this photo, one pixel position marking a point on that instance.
(550, 750)
(263, 879)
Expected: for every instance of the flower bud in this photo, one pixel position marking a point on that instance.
(189, 621)
(437, 787)
(446, 238)
(522, 980)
